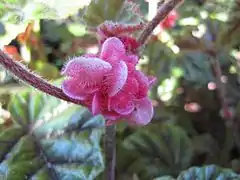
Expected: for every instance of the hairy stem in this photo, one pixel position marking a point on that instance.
(32, 79)
(110, 152)
(162, 13)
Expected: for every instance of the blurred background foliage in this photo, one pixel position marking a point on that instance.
(42, 138)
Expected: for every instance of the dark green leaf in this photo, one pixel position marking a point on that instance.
(197, 68)
(164, 150)
(53, 31)
(204, 143)
(50, 139)
(160, 57)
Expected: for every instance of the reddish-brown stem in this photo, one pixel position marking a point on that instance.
(162, 13)
(24, 74)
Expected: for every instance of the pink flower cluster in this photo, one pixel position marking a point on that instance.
(109, 84)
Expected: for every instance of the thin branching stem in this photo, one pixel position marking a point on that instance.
(162, 13)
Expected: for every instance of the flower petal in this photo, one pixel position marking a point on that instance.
(73, 89)
(83, 66)
(96, 109)
(112, 50)
(131, 87)
(143, 112)
(130, 43)
(122, 104)
(132, 59)
(87, 72)
(143, 84)
(116, 79)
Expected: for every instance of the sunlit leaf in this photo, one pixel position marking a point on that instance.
(12, 30)
(25, 10)
(204, 173)
(46, 70)
(208, 173)
(16, 14)
(100, 10)
(115, 10)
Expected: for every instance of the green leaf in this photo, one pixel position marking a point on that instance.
(204, 143)
(208, 173)
(45, 69)
(160, 59)
(112, 10)
(54, 31)
(100, 10)
(50, 139)
(197, 68)
(159, 62)
(16, 14)
(164, 150)
(25, 10)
